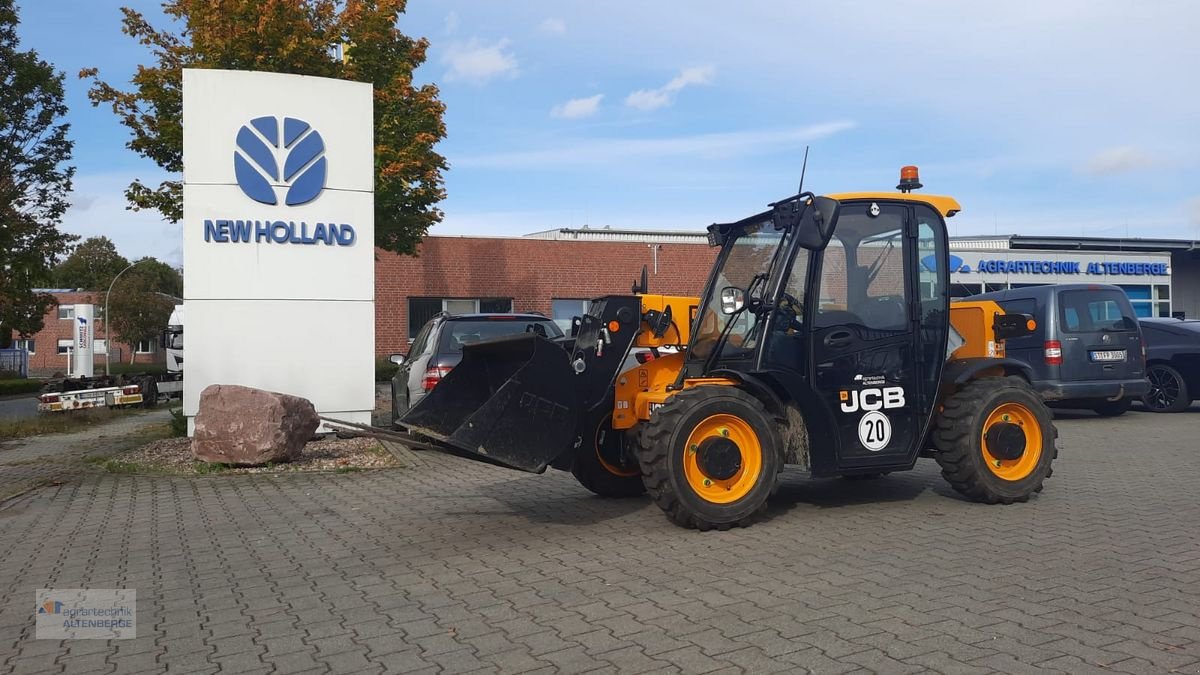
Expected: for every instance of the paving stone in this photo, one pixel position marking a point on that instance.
(456, 566)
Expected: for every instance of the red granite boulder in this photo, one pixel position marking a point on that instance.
(248, 427)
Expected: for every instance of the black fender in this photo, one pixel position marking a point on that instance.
(755, 386)
(961, 371)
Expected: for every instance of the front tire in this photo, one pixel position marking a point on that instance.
(1168, 390)
(710, 457)
(995, 440)
(604, 465)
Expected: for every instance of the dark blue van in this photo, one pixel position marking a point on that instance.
(1087, 351)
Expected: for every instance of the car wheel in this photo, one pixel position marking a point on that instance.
(1113, 408)
(1168, 392)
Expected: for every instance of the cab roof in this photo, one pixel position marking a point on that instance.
(947, 206)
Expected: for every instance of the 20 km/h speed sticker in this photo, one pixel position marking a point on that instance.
(874, 431)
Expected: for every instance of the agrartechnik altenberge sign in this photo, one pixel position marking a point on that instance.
(278, 229)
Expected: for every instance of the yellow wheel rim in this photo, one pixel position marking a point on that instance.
(606, 428)
(1023, 466)
(730, 489)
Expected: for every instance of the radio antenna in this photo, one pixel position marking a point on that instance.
(803, 168)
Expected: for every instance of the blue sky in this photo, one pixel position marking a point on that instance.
(1062, 118)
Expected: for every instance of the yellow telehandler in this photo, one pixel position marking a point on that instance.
(824, 339)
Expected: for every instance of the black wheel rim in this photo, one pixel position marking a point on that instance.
(1164, 388)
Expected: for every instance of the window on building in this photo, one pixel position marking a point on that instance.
(100, 347)
(64, 346)
(27, 345)
(992, 288)
(965, 290)
(146, 347)
(66, 311)
(421, 310)
(564, 309)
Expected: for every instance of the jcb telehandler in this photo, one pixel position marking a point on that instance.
(824, 339)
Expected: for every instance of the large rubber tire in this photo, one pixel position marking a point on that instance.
(959, 440)
(599, 465)
(1113, 408)
(149, 388)
(1168, 390)
(673, 476)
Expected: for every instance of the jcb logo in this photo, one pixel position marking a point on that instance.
(867, 400)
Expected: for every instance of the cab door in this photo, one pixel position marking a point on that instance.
(870, 358)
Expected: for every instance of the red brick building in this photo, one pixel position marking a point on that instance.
(50, 347)
(554, 273)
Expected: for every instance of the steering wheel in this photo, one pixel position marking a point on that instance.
(791, 309)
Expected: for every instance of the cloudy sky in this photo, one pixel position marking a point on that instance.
(1066, 117)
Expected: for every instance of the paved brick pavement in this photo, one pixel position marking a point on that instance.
(28, 462)
(454, 566)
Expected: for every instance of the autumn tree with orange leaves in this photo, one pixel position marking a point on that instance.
(307, 37)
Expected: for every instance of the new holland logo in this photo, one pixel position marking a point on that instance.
(956, 264)
(290, 155)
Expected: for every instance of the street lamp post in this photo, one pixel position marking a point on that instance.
(107, 347)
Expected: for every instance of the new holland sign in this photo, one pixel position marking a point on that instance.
(279, 160)
(278, 231)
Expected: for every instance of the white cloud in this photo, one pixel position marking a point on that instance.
(451, 23)
(623, 150)
(1118, 160)
(652, 99)
(477, 62)
(1194, 211)
(553, 26)
(577, 108)
(98, 208)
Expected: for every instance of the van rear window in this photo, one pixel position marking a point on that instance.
(1095, 311)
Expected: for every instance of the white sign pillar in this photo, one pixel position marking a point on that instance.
(278, 238)
(83, 341)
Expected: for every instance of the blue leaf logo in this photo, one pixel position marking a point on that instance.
(260, 149)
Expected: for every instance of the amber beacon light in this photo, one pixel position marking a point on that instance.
(909, 179)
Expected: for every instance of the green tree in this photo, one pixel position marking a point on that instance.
(137, 310)
(158, 276)
(291, 36)
(35, 180)
(91, 266)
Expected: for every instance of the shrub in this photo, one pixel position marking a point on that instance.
(12, 387)
(178, 423)
(385, 370)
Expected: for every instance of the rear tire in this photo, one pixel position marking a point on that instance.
(604, 465)
(710, 457)
(1113, 408)
(966, 458)
(1168, 390)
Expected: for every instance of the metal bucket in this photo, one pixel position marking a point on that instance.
(513, 400)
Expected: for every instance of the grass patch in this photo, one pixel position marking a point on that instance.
(206, 468)
(62, 422)
(133, 368)
(15, 387)
(118, 466)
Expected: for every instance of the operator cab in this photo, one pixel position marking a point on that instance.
(846, 315)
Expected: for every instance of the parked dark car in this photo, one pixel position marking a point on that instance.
(1172, 363)
(1087, 350)
(437, 348)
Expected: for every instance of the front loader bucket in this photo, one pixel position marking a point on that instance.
(512, 400)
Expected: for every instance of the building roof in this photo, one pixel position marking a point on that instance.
(614, 234)
(1102, 243)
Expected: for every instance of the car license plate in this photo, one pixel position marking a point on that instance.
(1109, 355)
